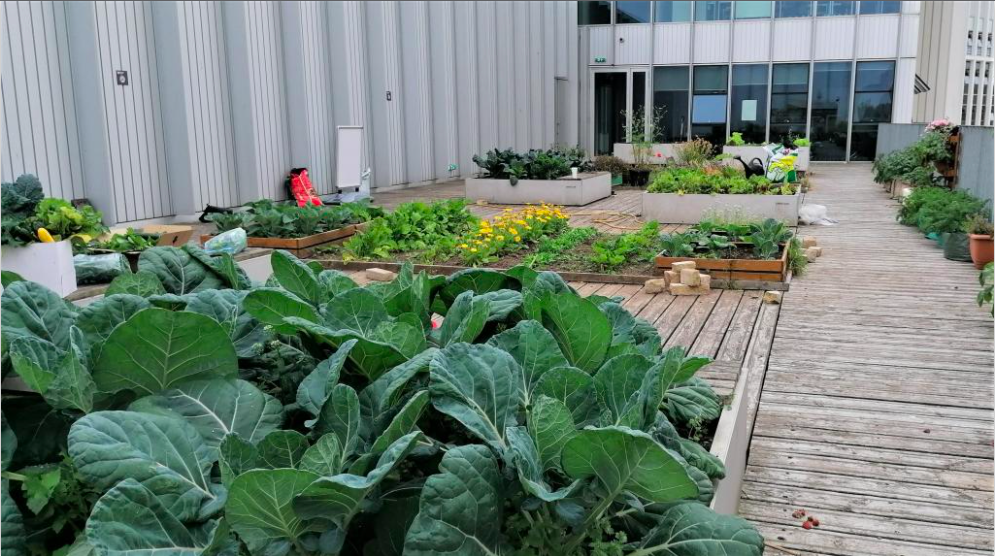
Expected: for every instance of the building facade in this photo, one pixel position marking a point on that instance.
(828, 71)
(955, 41)
(155, 109)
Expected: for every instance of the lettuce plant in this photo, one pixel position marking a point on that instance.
(204, 415)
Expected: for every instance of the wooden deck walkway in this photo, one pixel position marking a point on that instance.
(876, 411)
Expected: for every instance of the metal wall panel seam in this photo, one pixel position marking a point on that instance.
(426, 129)
(472, 81)
(395, 125)
(448, 25)
(49, 126)
(355, 46)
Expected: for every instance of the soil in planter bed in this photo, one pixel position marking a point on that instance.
(575, 260)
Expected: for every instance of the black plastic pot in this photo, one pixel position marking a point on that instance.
(639, 177)
(957, 247)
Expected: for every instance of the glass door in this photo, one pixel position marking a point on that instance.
(610, 98)
(618, 96)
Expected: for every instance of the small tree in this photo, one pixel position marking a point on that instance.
(640, 131)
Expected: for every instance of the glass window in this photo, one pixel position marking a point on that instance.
(708, 107)
(670, 98)
(788, 101)
(830, 110)
(749, 102)
(872, 101)
(632, 12)
(793, 9)
(880, 7)
(594, 13)
(609, 110)
(712, 11)
(673, 11)
(835, 8)
(752, 10)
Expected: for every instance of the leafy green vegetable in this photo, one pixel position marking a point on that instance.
(156, 349)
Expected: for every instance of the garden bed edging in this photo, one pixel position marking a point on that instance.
(674, 208)
(565, 191)
(49, 264)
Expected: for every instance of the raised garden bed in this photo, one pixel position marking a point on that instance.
(301, 247)
(566, 191)
(736, 269)
(676, 208)
(749, 152)
(665, 150)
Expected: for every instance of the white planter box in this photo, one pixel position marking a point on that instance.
(49, 264)
(749, 152)
(666, 150)
(564, 191)
(671, 208)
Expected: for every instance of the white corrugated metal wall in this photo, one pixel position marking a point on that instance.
(224, 97)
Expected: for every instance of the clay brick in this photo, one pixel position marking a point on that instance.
(772, 297)
(809, 241)
(684, 289)
(679, 266)
(690, 276)
(672, 276)
(380, 275)
(656, 285)
(705, 282)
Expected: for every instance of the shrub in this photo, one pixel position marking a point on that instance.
(694, 153)
(605, 163)
(314, 416)
(938, 209)
(978, 224)
(736, 139)
(987, 280)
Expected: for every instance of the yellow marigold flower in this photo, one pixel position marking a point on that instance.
(473, 249)
(500, 238)
(518, 239)
(463, 245)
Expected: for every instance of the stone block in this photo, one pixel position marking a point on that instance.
(679, 266)
(811, 254)
(817, 251)
(705, 281)
(684, 289)
(690, 276)
(380, 275)
(672, 276)
(656, 285)
(772, 297)
(809, 241)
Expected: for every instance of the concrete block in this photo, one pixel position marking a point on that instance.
(679, 266)
(811, 254)
(809, 241)
(817, 251)
(656, 285)
(380, 275)
(705, 281)
(690, 276)
(672, 276)
(772, 297)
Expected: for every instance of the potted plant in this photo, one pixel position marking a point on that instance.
(38, 233)
(979, 231)
(640, 132)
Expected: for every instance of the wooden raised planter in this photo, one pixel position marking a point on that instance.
(736, 269)
(301, 247)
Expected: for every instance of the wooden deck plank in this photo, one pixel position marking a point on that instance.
(876, 408)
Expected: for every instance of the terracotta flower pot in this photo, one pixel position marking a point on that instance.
(982, 251)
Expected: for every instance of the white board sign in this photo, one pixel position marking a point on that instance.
(349, 157)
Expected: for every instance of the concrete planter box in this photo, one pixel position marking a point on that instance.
(666, 150)
(49, 264)
(749, 152)
(671, 208)
(565, 191)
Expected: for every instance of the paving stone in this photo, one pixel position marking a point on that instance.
(811, 254)
(690, 276)
(672, 276)
(681, 265)
(380, 275)
(656, 285)
(772, 297)
(684, 289)
(809, 241)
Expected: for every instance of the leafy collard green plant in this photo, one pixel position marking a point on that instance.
(311, 416)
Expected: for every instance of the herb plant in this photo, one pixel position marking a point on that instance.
(313, 416)
(987, 279)
(619, 249)
(978, 224)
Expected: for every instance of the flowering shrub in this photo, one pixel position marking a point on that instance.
(511, 230)
(939, 125)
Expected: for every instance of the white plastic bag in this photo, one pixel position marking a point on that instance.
(230, 242)
(815, 215)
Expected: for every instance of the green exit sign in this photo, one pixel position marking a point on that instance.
(600, 60)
